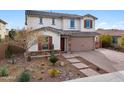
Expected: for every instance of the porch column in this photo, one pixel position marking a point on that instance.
(69, 44)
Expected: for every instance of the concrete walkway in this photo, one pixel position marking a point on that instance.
(79, 65)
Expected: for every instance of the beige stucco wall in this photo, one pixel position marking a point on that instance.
(60, 23)
(34, 23)
(3, 30)
(55, 40)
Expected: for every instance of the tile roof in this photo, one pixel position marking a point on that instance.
(53, 14)
(79, 33)
(89, 15)
(112, 32)
(50, 14)
(68, 32)
(3, 21)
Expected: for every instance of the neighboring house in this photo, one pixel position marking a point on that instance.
(3, 31)
(115, 33)
(67, 32)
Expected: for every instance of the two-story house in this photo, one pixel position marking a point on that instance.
(3, 32)
(67, 32)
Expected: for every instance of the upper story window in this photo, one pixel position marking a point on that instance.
(53, 21)
(88, 23)
(72, 23)
(41, 20)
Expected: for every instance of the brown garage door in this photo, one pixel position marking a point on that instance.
(82, 43)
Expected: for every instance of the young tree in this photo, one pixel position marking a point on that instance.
(106, 40)
(122, 42)
(27, 38)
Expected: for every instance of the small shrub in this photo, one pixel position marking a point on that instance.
(122, 42)
(53, 72)
(24, 77)
(106, 40)
(53, 59)
(3, 72)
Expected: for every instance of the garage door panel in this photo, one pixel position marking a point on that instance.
(82, 43)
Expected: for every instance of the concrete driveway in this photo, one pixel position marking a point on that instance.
(116, 57)
(108, 60)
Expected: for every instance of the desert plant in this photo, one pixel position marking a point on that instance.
(53, 72)
(24, 77)
(106, 40)
(8, 52)
(53, 59)
(3, 71)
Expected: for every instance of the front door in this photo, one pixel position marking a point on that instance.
(62, 44)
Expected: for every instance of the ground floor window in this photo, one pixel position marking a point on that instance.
(46, 44)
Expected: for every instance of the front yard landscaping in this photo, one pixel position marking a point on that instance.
(38, 70)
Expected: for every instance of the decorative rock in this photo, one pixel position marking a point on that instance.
(62, 63)
(70, 74)
(9, 61)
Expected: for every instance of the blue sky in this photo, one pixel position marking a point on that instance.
(106, 18)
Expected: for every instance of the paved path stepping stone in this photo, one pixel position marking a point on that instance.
(89, 72)
(73, 60)
(68, 55)
(80, 65)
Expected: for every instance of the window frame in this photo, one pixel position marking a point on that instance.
(88, 23)
(72, 23)
(53, 21)
(41, 20)
(46, 43)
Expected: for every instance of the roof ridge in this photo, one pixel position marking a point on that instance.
(52, 12)
(55, 14)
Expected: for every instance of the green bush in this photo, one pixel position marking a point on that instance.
(24, 77)
(3, 71)
(8, 52)
(53, 72)
(12, 34)
(122, 42)
(53, 59)
(106, 40)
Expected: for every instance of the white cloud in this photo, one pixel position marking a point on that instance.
(116, 25)
(102, 25)
(121, 22)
